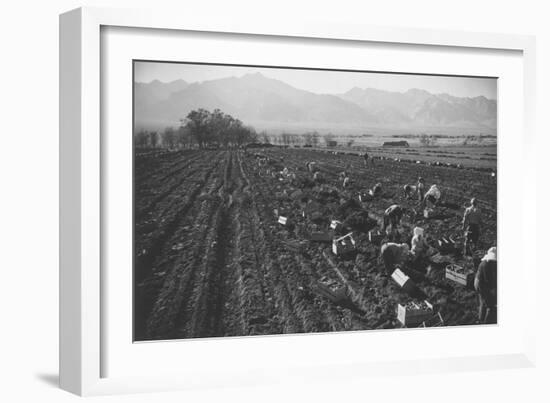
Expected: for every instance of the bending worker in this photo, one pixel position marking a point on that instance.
(376, 190)
(472, 225)
(392, 216)
(485, 284)
(394, 254)
(366, 159)
(408, 190)
(432, 196)
(419, 245)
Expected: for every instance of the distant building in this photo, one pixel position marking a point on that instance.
(401, 143)
(332, 143)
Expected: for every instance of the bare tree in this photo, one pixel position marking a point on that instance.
(285, 138)
(197, 124)
(169, 138)
(308, 138)
(263, 135)
(154, 139)
(315, 139)
(141, 139)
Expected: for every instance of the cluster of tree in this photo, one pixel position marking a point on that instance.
(474, 140)
(203, 128)
(427, 140)
(218, 128)
(305, 139)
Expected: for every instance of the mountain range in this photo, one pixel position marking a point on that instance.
(271, 104)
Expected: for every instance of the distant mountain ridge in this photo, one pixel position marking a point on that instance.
(265, 102)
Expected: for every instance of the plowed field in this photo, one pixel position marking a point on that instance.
(212, 260)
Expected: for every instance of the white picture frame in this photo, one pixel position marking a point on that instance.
(82, 343)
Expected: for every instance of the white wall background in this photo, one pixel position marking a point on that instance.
(29, 201)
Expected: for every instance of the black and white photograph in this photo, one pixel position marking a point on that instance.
(270, 200)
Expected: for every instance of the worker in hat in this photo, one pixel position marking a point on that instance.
(408, 190)
(392, 218)
(366, 159)
(376, 190)
(394, 254)
(419, 245)
(420, 186)
(432, 196)
(471, 224)
(485, 283)
(317, 176)
(346, 182)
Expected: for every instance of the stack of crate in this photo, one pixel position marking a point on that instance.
(446, 245)
(413, 314)
(335, 225)
(460, 275)
(344, 246)
(283, 220)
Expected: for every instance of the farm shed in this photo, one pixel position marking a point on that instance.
(401, 143)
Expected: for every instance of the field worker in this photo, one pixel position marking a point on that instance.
(419, 245)
(472, 225)
(394, 254)
(285, 171)
(420, 188)
(376, 190)
(392, 216)
(485, 283)
(346, 182)
(317, 176)
(432, 196)
(408, 190)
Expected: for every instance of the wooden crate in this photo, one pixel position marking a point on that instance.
(446, 245)
(317, 217)
(413, 313)
(434, 321)
(297, 195)
(376, 237)
(294, 246)
(343, 245)
(283, 220)
(310, 209)
(403, 281)
(460, 275)
(365, 197)
(429, 212)
(321, 236)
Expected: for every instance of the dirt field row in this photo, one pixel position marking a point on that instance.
(212, 260)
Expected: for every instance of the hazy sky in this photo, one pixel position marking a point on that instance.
(321, 82)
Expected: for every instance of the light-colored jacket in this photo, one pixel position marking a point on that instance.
(418, 242)
(433, 191)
